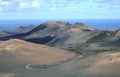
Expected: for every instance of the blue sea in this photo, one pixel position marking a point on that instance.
(95, 23)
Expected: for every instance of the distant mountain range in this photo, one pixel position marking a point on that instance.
(5, 33)
(66, 35)
(20, 29)
(23, 29)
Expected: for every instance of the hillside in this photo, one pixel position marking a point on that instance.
(72, 37)
(43, 33)
(23, 29)
(51, 28)
(75, 39)
(19, 58)
(47, 31)
(16, 55)
(95, 53)
(82, 26)
(30, 51)
(105, 64)
(4, 33)
(118, 34)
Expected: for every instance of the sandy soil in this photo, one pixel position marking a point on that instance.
(16, 54)
(106, 64)
(34, 53)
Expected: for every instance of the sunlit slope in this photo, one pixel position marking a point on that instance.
(74, 36)
(104, 64)
(16, 52)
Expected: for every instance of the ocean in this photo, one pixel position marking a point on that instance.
(103, 24)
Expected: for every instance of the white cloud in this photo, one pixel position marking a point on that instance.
(35, 4)
(23, 5)
(57, 5)
(5, 3)
(16, 5)
(102, 1)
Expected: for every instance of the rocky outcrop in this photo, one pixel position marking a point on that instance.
(82, 26)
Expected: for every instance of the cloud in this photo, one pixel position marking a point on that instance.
(102, 1)
(26, 5)
(23, 5)
(109, 4)
(7, 5)
(19, 5)
(60, 6)
(107, 1)
(35, 4)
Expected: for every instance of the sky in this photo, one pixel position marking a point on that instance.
(59, 9)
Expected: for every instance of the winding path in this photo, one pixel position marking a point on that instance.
(37, 66)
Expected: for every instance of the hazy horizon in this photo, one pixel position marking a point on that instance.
(24, 10)
(103, 24)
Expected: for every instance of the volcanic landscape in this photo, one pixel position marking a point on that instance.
(59, 49)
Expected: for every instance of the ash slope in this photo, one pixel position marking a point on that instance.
(105, 64)
(80, 33)
(15, 54)
(94, 40)
(33, 52)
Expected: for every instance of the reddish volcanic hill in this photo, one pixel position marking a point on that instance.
(32, 53)
(118, 34)
(18, 56)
